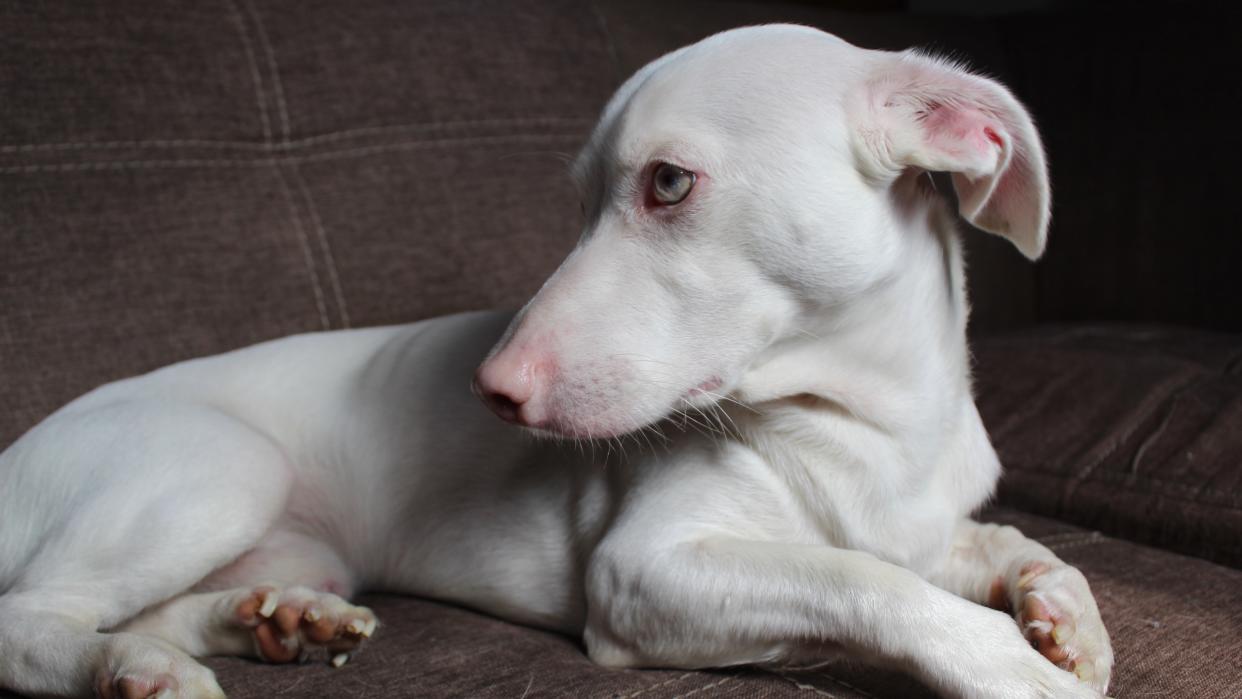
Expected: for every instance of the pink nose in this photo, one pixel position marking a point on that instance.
(509, 384)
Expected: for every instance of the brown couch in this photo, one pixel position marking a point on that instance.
(182, 178)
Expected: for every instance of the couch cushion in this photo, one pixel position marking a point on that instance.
(1175, 623)
(1135, 431)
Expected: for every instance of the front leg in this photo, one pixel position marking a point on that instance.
(714, 600)
(1051, 601)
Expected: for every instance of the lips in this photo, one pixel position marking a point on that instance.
(706, 386)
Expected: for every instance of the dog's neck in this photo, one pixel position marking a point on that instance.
(895, 360)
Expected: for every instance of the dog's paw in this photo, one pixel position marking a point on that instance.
(1038, 679)
(140, 667)
(289, 623)
(989, 658)
(1056, 611)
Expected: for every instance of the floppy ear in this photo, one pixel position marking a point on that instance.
(916, 111)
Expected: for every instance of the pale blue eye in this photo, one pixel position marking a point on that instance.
(671, 184)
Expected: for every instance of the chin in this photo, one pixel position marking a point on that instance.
(596, 426)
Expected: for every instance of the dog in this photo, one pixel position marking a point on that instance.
(755, 370)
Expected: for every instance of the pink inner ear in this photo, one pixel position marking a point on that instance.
(933, 115)
(966, 137)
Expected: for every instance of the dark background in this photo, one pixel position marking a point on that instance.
(1138, 105)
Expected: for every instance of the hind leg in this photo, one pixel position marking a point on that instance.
(282, 601)
(50, 649)
(146, 499)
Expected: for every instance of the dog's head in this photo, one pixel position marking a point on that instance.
(735, 188)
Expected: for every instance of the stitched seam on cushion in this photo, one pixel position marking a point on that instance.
(1052, 539)
(296, 218)
(419, 145)
(1170, 408)
(330, 262)
(1063, 539)
(264, 162)
(255, 77)
(330, 137)
(465, 123)
(1093, 538)
(655, 686)
(133, 165)
(277, 89)
(283, 109)
(312, 268)
(1034, 403)
(706, 686)
(802, 685)
(307, 254)
(316, 287)
(1072, 483)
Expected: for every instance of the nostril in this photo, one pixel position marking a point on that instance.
(497, 398)
(504, 406)
(507, 386)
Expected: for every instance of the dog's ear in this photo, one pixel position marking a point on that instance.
(916, 111)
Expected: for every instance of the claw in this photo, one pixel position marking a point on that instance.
(268, 608)
(1062, 633)
(289, 624)
(1029, 572)
(1085, 672)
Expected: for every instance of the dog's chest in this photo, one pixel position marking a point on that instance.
(851, 487)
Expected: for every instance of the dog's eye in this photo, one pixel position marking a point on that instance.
(671, 184)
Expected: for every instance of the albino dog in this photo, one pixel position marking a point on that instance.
(763, 250)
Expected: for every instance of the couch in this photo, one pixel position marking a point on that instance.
(182, 178)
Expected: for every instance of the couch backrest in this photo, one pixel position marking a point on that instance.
(182, 178)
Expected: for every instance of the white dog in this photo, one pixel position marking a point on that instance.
(769, 293)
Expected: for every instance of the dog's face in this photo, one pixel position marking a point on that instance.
(734, 190)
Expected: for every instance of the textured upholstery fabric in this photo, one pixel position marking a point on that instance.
(1175, 623)
(1135, 431)
(183, 181)
(183, 178)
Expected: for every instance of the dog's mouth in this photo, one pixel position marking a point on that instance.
(608, 423)
(705, 389)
